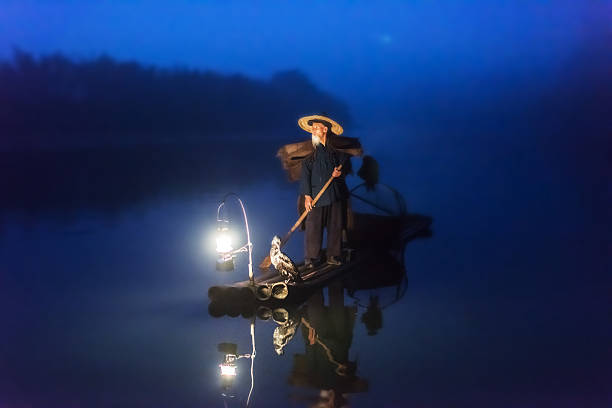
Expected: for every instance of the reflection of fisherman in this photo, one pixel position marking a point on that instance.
(328, 335)
(316, 170)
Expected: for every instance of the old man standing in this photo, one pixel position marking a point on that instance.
(323, 163)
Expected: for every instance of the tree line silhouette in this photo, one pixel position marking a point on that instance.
(55, 101)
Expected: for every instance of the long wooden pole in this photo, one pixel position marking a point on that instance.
(265, 264)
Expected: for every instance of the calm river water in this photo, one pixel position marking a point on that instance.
(507, 304)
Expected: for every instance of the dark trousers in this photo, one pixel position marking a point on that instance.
(329, 216)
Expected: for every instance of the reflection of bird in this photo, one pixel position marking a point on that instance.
(283, 334)
(282, 263)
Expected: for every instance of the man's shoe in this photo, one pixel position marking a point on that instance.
(308, 264)
(334, 260)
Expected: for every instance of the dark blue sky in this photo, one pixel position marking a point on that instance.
(363, 51)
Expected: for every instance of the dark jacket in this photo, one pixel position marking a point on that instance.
(318, 168)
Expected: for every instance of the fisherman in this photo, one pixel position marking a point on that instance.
(329, 210)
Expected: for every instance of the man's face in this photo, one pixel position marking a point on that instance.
(319, 130)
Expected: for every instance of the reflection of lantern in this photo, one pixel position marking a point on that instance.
(228, 367)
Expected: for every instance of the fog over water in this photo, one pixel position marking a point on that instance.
(494, 120)
(508, 296)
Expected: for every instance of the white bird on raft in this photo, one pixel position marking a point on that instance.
(282, 263)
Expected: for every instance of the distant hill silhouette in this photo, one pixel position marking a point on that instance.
(53, 101)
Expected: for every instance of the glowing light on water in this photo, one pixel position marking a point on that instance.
(228, 370)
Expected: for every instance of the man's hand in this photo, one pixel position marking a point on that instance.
(337, 172)
(308, 202)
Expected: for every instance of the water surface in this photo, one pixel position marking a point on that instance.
(103, 300)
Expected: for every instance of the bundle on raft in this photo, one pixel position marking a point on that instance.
(292, 155)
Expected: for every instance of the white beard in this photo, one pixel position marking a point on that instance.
(315, 140)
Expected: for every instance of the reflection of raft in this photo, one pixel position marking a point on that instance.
(392, 232)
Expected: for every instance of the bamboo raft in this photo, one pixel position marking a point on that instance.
(271, 289)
